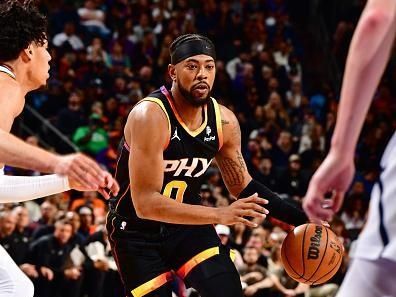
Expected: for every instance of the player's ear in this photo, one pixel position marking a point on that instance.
(27, 53)
(172, 71)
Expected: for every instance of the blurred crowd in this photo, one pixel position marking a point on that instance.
(108, 54)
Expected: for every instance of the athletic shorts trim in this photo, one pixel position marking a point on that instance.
(152, 285)
(184, 270)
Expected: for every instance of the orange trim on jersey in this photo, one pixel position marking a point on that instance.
(218, 122)
(197, 259)
(162, 106)
(152, 285)
(193, 133)
(126, 145)
(114, 249)
(122, 196)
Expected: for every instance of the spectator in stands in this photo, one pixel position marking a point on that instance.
(68, 38)
(283, 149)
(93, 19)
(57, 276)
(72, 116)
(87, 221)
(93, 139)
(96, 53)
(45, 224)
(224, 233)
(91, 200)
(293, 181)
(253, 275)
(7, 227)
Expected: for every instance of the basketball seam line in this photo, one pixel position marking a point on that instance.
(288, 263)
(302, 250)
(329, 271)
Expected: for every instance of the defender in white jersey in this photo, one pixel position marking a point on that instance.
(24, 66)
(373, 269)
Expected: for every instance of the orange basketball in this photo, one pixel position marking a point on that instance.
(311, 254)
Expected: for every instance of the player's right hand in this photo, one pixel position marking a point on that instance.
(333, 176)
(238, 211)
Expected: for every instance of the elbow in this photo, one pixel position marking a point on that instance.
(379, 19)
(143, 212)
(144, 209)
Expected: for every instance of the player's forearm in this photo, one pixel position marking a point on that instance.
(160, 208)
(277, 207)
(367, 58)
(22, 188)
(15, 152)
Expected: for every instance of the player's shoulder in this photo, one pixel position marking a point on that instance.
(227, 116)
(10, 88)
(12, 98)
(148, 115)
(230, 127)
(147, 110)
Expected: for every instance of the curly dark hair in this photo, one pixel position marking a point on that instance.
(21, 24)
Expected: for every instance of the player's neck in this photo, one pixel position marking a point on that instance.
(20, 74)
(191, 115)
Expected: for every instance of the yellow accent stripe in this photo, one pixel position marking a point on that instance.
(152, 285)
(218, 122)
(197, 259)
(232, 255)
(159, 102)
(193, 133)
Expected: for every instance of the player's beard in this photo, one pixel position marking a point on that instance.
(193, 100)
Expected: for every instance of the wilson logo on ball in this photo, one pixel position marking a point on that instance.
(313, 251)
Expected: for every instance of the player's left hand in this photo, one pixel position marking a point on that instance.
(112, 187)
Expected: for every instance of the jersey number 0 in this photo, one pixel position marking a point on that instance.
(178, 185)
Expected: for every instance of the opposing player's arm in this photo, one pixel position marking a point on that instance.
(83, 171)
(147, 134)
(14, 151)
(368, 55)
(237, 178)
(367, 58)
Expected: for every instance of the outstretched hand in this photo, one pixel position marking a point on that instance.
(238, 211)
(333, 177)
(85, 174)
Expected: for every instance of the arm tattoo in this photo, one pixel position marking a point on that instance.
(233, 169)
(242, 164)
(232, 172)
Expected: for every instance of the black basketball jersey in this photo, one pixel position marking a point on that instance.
(187, 156)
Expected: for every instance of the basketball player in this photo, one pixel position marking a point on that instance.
(171, 138)
(372, 271)
(24, 67)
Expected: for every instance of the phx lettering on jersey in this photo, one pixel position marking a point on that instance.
(193, 167)
(313, 251)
